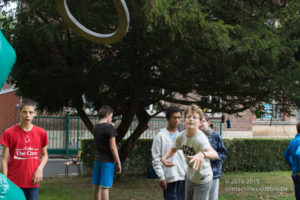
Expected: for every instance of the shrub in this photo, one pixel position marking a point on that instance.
(259, 155)
(137, 163)
(88, 147)
(250, 155)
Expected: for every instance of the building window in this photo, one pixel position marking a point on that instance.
(269, 112)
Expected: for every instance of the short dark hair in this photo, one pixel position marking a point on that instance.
(171, 110)
(27, 102)
(298, 127)
(104, 110)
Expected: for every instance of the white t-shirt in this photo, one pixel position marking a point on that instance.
(191, 146)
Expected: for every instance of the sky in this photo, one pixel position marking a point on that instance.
(9, 6)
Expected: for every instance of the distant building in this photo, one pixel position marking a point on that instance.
(8, 107)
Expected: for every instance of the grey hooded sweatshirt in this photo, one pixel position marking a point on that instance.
(162, 142)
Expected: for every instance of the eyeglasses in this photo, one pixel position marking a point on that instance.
(192, 117)
(175, 117)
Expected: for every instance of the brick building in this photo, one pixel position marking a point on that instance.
(247, 124)
(8, 107)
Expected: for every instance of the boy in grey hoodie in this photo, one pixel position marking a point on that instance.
(171, 179)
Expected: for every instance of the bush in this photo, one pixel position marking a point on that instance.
(255, 155)
(137, 163)
(249, 155)
(88, 147)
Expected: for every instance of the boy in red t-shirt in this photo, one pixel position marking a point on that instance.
(23, 146)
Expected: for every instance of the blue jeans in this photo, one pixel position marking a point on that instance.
(296, 180)
(31, 193)
(175, 191)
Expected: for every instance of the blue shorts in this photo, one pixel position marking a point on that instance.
(103, 174)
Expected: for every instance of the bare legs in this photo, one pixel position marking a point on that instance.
(101, 193)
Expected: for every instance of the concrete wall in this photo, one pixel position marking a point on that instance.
(274, 129)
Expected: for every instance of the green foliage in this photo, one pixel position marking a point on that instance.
(88, 147)
(255, 155)
(239, 53)
(248, 155)
(137, 163)
(140, 158)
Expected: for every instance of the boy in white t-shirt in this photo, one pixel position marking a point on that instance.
(198, 152)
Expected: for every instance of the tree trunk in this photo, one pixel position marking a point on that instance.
(130, 143)
(85, 118)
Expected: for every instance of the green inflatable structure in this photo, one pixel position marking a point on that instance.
(7, 59)
(9, 191)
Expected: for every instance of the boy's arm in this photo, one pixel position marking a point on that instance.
(169, 154)
(210, 153)
(157, 156)
(114, 151)
(222, 152)
(38, 174)
(297, 160)
(4, 162)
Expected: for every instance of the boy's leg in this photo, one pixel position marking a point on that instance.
(188, 190)
(296, 180)
(214, 191)
(170, 192)
(104, 193)
(31, 193)
(97, 192)
(96, 180)
(106, 179)
(180, 190)
(201, 191)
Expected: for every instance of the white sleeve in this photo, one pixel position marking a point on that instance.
(156, 155)
(205, 143)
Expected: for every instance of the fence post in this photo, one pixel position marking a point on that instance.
(221, 129)
(77, 141)
(67, 135)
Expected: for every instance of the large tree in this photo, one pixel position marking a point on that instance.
(227, 56)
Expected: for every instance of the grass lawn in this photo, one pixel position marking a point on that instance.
(233, 186)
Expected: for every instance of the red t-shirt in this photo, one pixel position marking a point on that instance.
(25, 152)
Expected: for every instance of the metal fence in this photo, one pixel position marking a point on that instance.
(66, 132)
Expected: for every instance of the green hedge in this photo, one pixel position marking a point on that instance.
(257, 155)
(88, 148)
(137, 163)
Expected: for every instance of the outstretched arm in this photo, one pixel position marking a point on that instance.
(169, 154)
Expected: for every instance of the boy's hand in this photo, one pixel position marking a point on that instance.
(197, 160)
(163, 184)
(37, 176)
(118, 168)
(167, 163)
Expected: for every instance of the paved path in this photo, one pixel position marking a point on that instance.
(56, 167)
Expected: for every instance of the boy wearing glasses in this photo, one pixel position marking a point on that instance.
(171, 180)
(198, 152)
